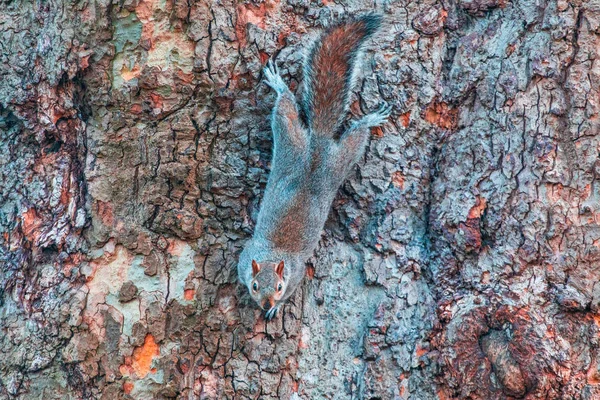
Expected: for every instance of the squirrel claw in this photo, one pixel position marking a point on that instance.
(272, 77)
(385, 110)
(378, 117)
(272, 313)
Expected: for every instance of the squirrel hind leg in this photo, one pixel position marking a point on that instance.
(353, 142)
(285, 120)
(351, 148)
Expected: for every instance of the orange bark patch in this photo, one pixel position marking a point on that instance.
(128, 74)
(510, 49)
(105, 212)
(443, 15)
(302, 345)
(264, 57)
(125, 368)
(144, 10)
(73, 260)
(420, 351)
(587, 191)
(176, 247)
(442, 115)
(56, 114)
(377, 132)
(249, 13)
(405, 119)
(442, 395)
(127, 387)
(554, 192)
(485, 278)
(255, 14)
(184, 77)
(398, 179)
(310, 272)
(64, 193)
(593, 377)
(477, 209)
(157, 100)
(188, 294)
(147, 36)
(184, 365)
(30, 224)
(84, 62)
(142, 358)
(281, 38)
(355, 108)
(136, 109)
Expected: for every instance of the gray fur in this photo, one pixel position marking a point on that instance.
(306, 172)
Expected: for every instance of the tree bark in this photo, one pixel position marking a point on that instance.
(460, 261)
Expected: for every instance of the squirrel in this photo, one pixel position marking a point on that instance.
(310, 161)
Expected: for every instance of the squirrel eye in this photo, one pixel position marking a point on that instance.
(255, 286)
(279, 287)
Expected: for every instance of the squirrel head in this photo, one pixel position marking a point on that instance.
(267, 285)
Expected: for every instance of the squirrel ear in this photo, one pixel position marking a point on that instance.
(255, 268)
(279, 269)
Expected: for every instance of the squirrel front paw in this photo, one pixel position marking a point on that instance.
(378, 117)
(272, 313)
(273, 79)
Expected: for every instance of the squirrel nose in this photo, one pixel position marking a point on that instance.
(267, 304)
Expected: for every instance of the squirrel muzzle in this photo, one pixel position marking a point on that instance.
(270, 301)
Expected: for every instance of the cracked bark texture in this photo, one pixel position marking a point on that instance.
(460, 260)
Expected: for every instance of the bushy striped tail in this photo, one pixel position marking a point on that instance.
(329, 72)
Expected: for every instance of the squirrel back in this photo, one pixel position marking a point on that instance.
(329, 72)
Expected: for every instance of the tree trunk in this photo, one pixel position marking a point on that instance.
(460, 260)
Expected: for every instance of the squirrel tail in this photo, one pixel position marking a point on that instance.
(329, 73)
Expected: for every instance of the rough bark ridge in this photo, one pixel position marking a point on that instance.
(460, 260)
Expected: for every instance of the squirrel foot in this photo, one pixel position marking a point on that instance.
(376, 118)
(272, 313)
(273, 79)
